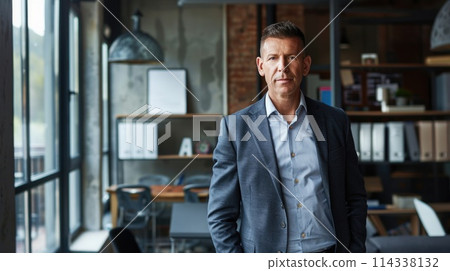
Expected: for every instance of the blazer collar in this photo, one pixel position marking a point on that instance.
(265, 152)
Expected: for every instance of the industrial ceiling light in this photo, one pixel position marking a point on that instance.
(440, 34)
(138, 48)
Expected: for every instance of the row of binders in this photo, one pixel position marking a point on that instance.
(137, 140)
(402, 141)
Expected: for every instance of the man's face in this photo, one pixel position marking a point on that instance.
(283, 71)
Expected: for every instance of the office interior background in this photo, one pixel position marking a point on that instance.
(64, 95)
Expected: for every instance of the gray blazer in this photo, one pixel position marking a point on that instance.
(242, 189)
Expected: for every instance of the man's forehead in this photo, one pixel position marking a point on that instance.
(272, 45)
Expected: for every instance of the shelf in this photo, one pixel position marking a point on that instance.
(172, 157)
(394, 66)
(429, 113)
(175, 156)
(415, 175)
(172, 116)
(404, 163)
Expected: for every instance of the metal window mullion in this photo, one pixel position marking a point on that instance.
(26, 121)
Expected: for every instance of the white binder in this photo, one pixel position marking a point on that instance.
(355, 133)
(138, 140)
(396, 141)
(365, 141)
(124, 134)
(150, 141)
(378, 142)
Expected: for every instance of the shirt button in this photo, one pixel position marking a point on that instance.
(279, 251)
(303, 235)
(296, 181)
(299, 205)
(292, 154)
(282, 206)
(283, 225)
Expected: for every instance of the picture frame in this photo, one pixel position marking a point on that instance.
(369, 59)
(167, 89)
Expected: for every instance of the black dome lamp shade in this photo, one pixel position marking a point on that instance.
(138, 48)
(440, 34)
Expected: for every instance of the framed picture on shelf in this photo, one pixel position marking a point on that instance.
(369, 59)
(167, 90)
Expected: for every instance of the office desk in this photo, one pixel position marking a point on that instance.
(374, 216)
(172, 193)
(189, 221)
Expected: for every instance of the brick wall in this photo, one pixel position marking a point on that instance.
(242, 46)
(241, 55)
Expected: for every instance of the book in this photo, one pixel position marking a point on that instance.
(325, 95)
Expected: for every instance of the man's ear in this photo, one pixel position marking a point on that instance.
(259, 65)
(306, 65)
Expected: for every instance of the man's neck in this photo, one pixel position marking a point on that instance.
(286, 105)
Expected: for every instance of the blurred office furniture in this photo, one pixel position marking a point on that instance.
(134, 212)
(192, 191)
(123, 240)
(189, 222)
(197, 178)
(429, 219)
(160, 193)
(154, 179)
(408, 244)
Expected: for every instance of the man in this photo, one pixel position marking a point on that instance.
(286, 175)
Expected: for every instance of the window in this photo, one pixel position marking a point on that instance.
(37, 133)
(105, 107)
(74, 120)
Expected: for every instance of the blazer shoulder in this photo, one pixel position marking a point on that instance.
(330, 112)
(259, 106)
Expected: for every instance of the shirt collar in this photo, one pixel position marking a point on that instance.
(270, 107)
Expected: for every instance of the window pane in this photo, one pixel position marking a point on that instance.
(17, 66)
(105, 113)
(43, 85)
(21, 231)
(74, 200)
(74, 84)
(45, 217)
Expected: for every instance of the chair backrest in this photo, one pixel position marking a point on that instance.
(154, 179)
(429, 219)
(192, 196)
(198, 179)
(132, 201)
(123, 240)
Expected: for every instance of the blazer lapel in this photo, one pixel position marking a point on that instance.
(265, 152)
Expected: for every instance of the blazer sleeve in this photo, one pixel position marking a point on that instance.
(356, 196)
(224, 194)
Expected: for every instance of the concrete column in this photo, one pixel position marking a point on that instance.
(92, 32)
(7, 194)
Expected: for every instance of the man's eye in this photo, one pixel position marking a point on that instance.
(292, 58)
(271, 58)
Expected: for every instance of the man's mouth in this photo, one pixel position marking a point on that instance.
(283, 80)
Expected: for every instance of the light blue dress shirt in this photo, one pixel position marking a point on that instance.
(306, 201)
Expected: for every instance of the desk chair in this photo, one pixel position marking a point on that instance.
(154, 179)
(192, 196)
(429, 219)
(133, 200)
(123, 240)
(198, 178)
(158, 208)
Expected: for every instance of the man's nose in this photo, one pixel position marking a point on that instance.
(282, 64)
